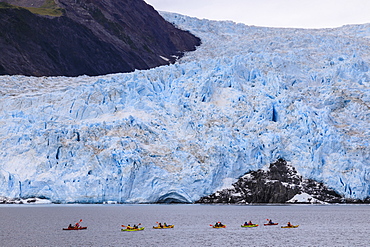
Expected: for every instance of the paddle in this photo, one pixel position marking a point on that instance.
(127, 227)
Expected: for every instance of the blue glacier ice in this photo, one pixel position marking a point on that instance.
(246, 97)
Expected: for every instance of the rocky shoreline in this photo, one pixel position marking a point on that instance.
(34, 200)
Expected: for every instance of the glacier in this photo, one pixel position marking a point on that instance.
(246, 97)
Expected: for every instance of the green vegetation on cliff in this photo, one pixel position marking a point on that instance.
(49, 8)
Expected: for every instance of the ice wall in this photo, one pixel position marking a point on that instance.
(248, 96)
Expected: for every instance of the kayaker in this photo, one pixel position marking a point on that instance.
(289, 224)
(165, 224)
(77, 225)
(249, 223)
(270, 222)
(128, 226)
(160, 225)
(217, 225)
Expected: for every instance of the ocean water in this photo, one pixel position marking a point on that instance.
(319, 225)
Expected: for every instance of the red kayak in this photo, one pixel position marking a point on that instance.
(269, 224)
(75, 228)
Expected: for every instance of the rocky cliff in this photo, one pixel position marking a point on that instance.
(280, 183)
(75, 37)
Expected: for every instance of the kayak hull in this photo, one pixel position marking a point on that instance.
(224, 226)
(253, 225)
(274, 224)
(290, 226)
(133, 229)
(75, 228)
(163, 227)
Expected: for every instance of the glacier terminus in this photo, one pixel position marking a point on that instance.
(245, 98)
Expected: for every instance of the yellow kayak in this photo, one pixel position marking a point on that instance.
(290, 226)
(132, 229)
(223, 226)
(163, 227)
(250, 225)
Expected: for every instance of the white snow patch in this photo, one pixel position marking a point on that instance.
(305, 198)
(164, 58)
(110, 202)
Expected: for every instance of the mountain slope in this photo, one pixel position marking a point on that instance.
(245, 98)
(91, 37)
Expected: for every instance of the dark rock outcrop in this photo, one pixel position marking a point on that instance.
(91, 37)
(278, 184)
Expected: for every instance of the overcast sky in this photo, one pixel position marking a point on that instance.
(273, 13)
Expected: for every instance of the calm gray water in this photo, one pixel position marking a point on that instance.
(320, 225)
